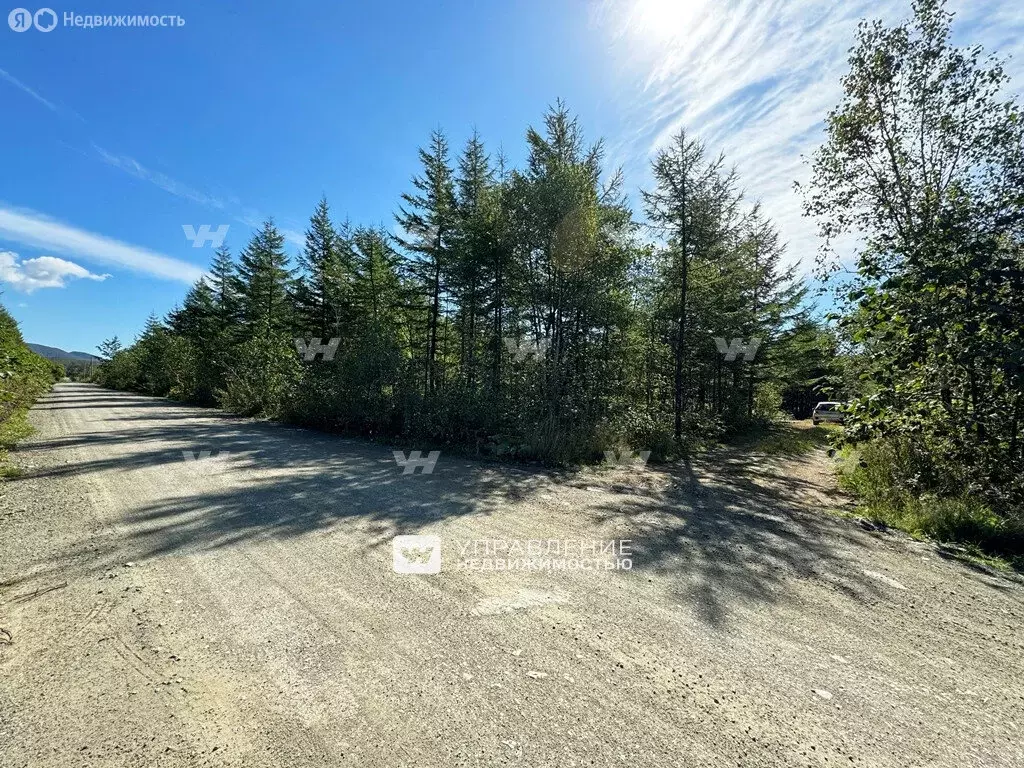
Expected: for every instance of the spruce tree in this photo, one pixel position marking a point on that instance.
(474, 240)
(225, 285)
(266, 308)
(427, 216)
(322, 288)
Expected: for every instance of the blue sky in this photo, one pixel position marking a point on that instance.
(116, 137)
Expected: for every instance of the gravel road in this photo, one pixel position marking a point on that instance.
(167, 607)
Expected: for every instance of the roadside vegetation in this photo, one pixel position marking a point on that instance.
(24, 376)
(523, 313)
(881, 473)
(529, 313)
(924, 160)
(782, 438)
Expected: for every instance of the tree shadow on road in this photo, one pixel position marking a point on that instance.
(735, 529)
(728, 530)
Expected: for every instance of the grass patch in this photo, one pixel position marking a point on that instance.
(12, 429)
(8, 471)
(875, 473)
(24, 376)
(784, 438)
(15, 428)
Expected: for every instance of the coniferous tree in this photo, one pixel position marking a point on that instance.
(473, 242)
(265, 279)
(224, 283)
(323, 286)
(427, 216)
(691, 194)
(525, 319)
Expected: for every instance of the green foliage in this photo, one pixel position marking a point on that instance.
(520, 315)
(261, 377)
(24, 376)
(925, 159)
(784, 439)
(323, 291)
(889, 476)
(264, 280)
(79, 370)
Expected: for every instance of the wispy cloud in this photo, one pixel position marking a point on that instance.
(40, 231)
(42, 272)
(135, 168)
(57, 109)
(755, 79)
(231, 206)
(254, 220)
(18, 84)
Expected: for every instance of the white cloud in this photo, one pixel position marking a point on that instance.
(248, 216)
(294, 236)
(18, 84)
(133, 167)
(42, 272)
(60, 110)
(39, 231)
(254, 220)
(755, 79)
(233, 207)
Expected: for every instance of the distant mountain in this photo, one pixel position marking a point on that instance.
(53, 353)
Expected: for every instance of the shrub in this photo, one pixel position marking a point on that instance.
(24, 376)
(891, 478)
(261, 377)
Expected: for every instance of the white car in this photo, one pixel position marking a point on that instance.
(827, 411)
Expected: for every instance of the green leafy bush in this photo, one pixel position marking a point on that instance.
(24, 376)
(262, 374)
(888, 476)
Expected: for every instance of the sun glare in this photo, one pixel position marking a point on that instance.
(661, 21)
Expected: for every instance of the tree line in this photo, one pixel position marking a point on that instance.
(521, 312)
(529, 313)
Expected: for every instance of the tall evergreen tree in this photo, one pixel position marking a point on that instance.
(225, 286)
(323, 286)
(428, 216)
(266, 307)
(685, 207)
(473, 241)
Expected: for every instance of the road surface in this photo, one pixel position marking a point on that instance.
(164, 606)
